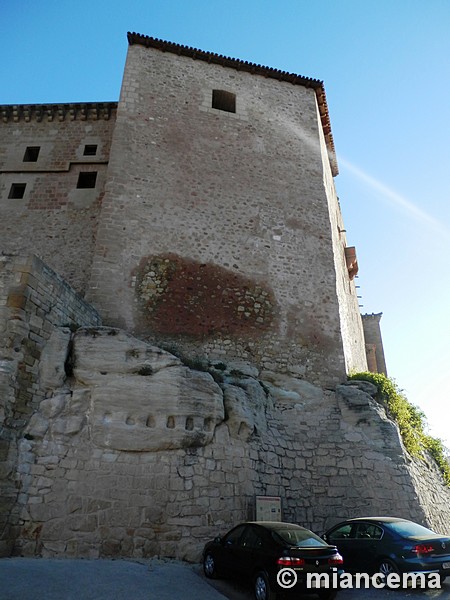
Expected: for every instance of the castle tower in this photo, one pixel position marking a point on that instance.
(220, 232)
(374, 343)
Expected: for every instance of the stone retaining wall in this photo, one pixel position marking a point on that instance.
(137, 455)
(37, 309)
(113, 447)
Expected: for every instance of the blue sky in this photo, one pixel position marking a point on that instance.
(386, 69)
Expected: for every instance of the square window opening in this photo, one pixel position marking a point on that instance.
(87, 179)
(31, 154)
(223, 100)
(17, 191)
(90, 150)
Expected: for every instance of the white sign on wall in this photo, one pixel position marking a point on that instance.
(268, 508)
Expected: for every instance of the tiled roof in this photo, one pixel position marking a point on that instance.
(253, 68)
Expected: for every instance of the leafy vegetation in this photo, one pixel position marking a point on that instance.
(410, 419)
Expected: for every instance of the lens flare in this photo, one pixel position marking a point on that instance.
(394, 197)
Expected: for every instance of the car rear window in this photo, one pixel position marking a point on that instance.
(409, 529)
(298, 537)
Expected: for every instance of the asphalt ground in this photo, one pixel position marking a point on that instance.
(79, 579)
(153, 579)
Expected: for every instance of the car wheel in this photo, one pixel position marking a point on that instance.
(387, 567)
(209, 566)
(262, 587)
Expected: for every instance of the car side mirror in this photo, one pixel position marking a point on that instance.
(324, 537)
(217, 539)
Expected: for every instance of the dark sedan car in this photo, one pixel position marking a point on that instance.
(259, 550)
(390, 545)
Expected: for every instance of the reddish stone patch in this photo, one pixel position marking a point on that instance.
(181, 296)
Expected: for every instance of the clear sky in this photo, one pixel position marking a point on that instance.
(386, 69)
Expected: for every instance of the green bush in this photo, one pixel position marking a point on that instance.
(410, 419)
(436, 448)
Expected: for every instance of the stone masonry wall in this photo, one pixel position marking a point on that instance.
(54, 219)
(137, 455)
(215, 230)
(219, 250)
(374, 343)
(37, 309)
(352, 331)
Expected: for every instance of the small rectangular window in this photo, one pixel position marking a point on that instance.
(31, 154)
(90, 150)
(17, 191)
(87, 179)
(223, 100)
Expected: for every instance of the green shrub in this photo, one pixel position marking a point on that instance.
(436, 448)
(410, 419)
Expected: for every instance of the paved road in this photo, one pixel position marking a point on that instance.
(235, 591)
(67, 579)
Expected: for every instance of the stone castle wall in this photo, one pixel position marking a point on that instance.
(54, 219)
(37, 307)
(220, 233)
(374, 343)
(216, 241)
(215, 232)
(110, 446)
(136, 455)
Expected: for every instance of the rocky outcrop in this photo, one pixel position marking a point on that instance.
(135, 397)
(141, 397)
(128, 452)
(364, 417)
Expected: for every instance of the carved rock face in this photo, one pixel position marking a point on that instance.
(245, 407)
(143, 398)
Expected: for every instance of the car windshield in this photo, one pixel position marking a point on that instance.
(409, 529)
(298, 537)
